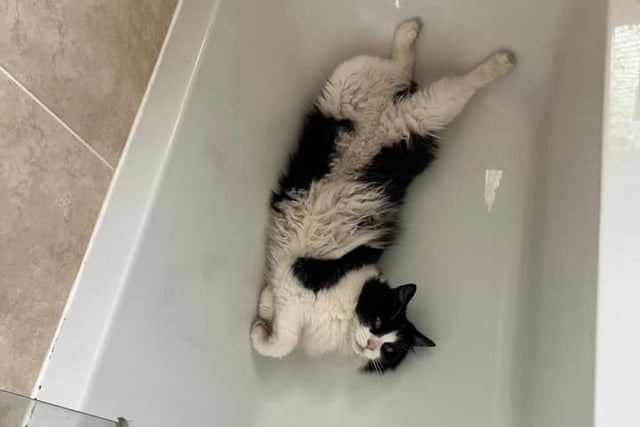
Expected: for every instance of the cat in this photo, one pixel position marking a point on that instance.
(336, 209)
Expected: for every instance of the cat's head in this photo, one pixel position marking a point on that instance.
(382, 334)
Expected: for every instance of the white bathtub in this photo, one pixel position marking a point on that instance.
(157, 326)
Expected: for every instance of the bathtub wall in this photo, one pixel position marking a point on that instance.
(618, 371)
(559, 304)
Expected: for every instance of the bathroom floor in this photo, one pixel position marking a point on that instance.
(72, 75)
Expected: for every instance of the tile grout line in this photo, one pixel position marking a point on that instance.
(55, 116)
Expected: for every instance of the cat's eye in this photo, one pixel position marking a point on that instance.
(387, 348)
(377, 323)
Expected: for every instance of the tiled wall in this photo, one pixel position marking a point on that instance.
(72, 75)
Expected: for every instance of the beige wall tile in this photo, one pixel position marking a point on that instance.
(51, 189)
(87, 60)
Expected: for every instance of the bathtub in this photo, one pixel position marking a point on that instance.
(503, 232)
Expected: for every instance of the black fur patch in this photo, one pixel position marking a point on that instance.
(312, 158)
(317, 274)
(406, 92)
(384, 309)
(396, 165)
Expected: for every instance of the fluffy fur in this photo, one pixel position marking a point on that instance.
(369, 134)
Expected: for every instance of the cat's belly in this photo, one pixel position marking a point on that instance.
(329, 220)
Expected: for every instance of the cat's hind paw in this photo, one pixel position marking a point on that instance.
(407, 32)
(502, 62)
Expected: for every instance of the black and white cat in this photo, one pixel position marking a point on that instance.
(369, 134)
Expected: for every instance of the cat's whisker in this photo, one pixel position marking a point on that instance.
(433, 135)
(378, 367)
(375, 367)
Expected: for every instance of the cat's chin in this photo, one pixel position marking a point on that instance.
(359, 354)
(356, 348)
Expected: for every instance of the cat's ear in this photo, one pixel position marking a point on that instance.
(421, 340)
(404, 293)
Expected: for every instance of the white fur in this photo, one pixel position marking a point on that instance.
(362, 335)
(323, 221)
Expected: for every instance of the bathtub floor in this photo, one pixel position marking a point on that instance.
(178, 353)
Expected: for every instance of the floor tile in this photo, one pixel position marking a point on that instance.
(51, 190)
(89, 60)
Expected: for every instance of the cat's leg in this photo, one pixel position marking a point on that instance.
(404, 42)
(434, 107)
(281, 336)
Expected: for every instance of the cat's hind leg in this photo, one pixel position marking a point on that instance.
(280, 337)
(404, 41)
(434, 107)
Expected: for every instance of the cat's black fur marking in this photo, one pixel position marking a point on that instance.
(396, 165)
(373, 303)
(316, 274)
(393, 169)
(312, 158)
(405, 92)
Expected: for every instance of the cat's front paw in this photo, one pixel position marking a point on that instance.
(259, 332)
(408, 31)
(502, 62)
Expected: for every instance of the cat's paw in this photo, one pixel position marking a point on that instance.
(259, 332)
(408, 31)
(502, 62)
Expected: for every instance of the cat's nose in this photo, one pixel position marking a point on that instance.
(372, 344)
